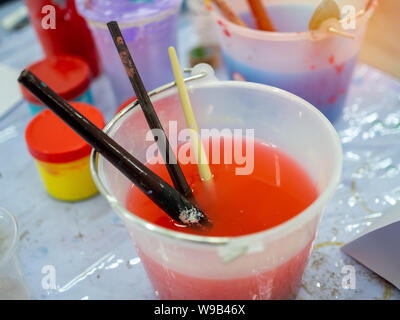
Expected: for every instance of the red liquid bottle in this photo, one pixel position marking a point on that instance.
(61, 30)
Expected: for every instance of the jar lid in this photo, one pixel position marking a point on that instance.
(125, 11)
(49, 139)
(68, 76)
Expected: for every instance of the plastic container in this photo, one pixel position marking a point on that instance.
(314, 65)
(12, 280)
(68, 76)
(183, 266)
(148, 27)
(61, 156)
(125, 104)
(70, 35)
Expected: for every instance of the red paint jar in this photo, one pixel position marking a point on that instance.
(61, 155)
(71, 34)
(68, 76)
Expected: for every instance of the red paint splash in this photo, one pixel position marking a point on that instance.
(227, 33)
(331, 59)
(312, 67)
(120, 40)
(339, 68)
(220, 23)
(332, 99)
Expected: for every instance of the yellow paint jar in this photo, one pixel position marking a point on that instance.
(61, 155)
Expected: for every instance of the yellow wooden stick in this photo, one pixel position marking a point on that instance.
(341, 33)
(200, 154)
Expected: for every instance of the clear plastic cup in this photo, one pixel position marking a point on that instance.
(263, 265)
(148, 28)
(314, 65)
(12, 281)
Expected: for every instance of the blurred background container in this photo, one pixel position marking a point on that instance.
(148, 28)
(68, 76)
(70, 35)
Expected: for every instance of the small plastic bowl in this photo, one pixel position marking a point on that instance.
(61, 156)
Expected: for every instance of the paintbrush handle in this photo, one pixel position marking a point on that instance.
(228, 13)
(263, 21)
(201, 157)
(174, 170)
(159, 191)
